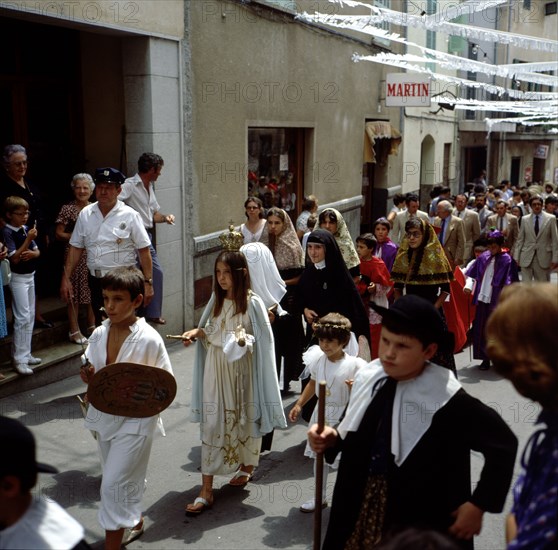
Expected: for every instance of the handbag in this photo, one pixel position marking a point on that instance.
(5, 272)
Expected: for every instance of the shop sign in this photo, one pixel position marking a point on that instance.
(407, 90)
(541, 151)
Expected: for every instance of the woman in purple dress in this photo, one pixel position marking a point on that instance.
(386, 249)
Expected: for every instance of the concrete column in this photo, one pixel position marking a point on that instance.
(153, 114)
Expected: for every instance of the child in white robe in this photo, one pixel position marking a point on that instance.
(124, 442)
(328, 362)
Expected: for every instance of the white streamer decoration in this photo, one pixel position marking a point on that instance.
(538, 108)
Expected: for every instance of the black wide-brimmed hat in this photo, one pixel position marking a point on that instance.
(18, 454)
(415, 316)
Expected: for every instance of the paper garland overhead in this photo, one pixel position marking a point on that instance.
(537, 106)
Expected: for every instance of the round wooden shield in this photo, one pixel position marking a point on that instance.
(131, 389)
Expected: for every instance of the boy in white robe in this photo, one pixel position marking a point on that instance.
(124, 443)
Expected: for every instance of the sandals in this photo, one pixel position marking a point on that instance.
(77, 338)
(241, 478)
(130, 535)
(205, 505)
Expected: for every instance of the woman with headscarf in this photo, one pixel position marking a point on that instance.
(332, 220)
(422, 268)
(282, 240)
(385, 248)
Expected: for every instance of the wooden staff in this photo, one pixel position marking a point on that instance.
(319, 470)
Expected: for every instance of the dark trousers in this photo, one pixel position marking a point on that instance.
(97, 301)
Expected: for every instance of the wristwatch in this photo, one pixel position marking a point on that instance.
(148, 281)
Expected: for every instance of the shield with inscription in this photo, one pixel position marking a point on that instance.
(131, 389)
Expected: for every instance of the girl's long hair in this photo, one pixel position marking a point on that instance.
(240, 278)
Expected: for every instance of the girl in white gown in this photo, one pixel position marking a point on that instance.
(235, 396)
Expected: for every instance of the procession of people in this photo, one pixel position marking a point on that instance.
(378, 317)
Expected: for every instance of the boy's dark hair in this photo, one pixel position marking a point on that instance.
(124, 278)
(333, 326)
(368, 239)
(11, 204)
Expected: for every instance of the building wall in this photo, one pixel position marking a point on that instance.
(255, 66)
(160, 17)
(258, 68)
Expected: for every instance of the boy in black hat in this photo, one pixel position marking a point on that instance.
(26, 521)
(406, 440)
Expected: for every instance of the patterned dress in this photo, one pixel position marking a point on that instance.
(227, 428)
(68, 216)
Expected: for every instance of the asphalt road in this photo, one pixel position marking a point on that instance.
(264, 514)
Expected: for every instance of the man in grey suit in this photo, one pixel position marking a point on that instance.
(471, 225)
(536, 250)
(398, 229)
(506, 223)
(451, 235)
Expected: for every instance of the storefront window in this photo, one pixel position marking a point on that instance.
(275, 167)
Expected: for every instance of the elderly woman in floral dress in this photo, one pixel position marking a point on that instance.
(82, 187)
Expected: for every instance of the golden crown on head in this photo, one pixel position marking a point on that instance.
(231, 240)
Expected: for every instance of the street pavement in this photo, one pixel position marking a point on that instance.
(264, 514)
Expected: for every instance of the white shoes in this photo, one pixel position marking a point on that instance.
(310, 505)
(22, 368)
(34, 360)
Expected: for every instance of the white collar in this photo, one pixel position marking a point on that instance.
(415, 403)
(320, 265)
(24, 227)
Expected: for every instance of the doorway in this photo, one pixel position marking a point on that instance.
(40, 108)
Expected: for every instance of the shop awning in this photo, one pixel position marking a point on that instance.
(380, 129)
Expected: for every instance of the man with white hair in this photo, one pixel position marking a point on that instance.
(451, 234)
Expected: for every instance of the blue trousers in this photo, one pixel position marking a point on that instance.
(155, 307)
